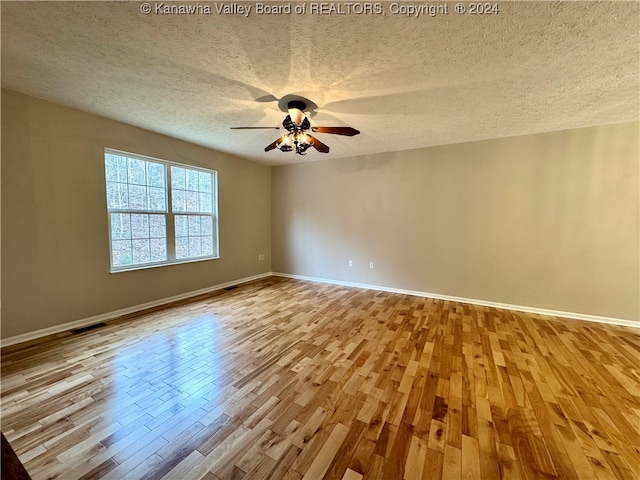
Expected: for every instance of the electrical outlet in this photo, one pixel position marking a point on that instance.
(351, 263)
(371, 265)
(261, 256)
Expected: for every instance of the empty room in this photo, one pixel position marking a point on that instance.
(320, 240)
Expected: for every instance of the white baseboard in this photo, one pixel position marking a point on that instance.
(473, 301)
(25, 337)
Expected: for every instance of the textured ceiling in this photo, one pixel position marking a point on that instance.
(404, 82)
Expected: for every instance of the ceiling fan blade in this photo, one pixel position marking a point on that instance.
(274, 144)
(255, 128)
(348, 131)
(317, 144)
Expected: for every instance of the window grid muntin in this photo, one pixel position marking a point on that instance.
(195, 234)
(136, 239)
(133, 174)
(191, 189)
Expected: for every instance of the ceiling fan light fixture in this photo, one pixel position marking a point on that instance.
(301, 148)
(286, 145)
(296, 140)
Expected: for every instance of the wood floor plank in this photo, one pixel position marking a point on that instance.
(470, 459)
(416, 458)
(322, 461)
(452, 462)
(287, 379)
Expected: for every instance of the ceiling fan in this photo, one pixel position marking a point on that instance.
(297, 124)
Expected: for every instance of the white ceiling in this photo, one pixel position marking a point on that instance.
(403, 82)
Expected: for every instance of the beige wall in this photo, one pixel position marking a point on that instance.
(547, 221)
(55, 250)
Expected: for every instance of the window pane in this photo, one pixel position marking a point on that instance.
(140, 250)
(120, 226)
(139, 226)
(113, 195)
(178, 178)
(207, 246)
(158, 249)
(182, 247)
(117, 196)
(206, 203)
(206, 225)
(192, 201)
(178, 202)
(137, 197)
(194, 247)
(194, 236)
(116, 168)
(121, 253)
(155, 174)
(205, 182)
(157, 226)
(121, 168)
(137, 171)
(111, 167)
(182, 226)
(194, 225)
(157, 199)
(193, 181)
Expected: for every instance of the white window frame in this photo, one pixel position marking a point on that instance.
(169, 215)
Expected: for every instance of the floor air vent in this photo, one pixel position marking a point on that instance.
(87, 328)
(232, 287)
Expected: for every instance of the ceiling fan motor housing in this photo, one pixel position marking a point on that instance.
(296, 111)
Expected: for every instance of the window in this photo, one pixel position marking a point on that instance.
(159, 212)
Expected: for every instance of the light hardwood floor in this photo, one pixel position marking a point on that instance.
(285, 379)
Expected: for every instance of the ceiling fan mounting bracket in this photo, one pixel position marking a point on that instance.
(299, 104)
(310, 107)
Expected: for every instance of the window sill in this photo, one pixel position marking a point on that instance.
(158, 265)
